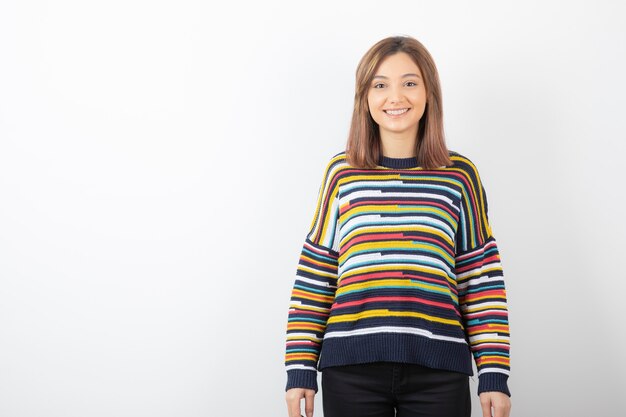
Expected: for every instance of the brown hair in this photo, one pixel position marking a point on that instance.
(363, 148)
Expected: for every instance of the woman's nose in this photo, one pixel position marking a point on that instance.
(395, 95)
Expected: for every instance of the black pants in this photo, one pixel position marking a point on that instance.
(386, 389)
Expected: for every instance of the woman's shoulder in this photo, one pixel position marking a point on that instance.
(341, 155)
(468, 169)
(461, 160)
(336, 162)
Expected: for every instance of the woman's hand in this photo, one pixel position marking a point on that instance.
(293, 397)
(500, 402)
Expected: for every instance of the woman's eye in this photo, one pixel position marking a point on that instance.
(379, 85)
(411, 83)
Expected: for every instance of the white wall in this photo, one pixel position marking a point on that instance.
(159, 164)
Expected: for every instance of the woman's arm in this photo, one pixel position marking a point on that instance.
(480, 284)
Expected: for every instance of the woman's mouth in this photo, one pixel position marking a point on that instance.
(396, 112)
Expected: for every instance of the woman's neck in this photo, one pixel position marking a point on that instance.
(398, 146)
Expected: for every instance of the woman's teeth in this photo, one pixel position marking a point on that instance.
(396, 112)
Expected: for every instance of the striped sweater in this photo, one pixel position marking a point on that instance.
(399, 265)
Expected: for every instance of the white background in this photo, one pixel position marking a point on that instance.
(160, 162)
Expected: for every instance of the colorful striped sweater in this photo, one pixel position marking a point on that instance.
(399, 265)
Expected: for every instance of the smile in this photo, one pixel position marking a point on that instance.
(396, 112)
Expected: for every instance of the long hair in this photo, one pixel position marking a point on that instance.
(363, 148)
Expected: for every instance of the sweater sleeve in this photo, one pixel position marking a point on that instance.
(314, 288)
(481, 289)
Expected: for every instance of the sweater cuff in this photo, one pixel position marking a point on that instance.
(300, 378)
(493, 381)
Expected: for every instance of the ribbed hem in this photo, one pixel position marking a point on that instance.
(395, 347)
(399, 163)
(493, 381)
(301, 378)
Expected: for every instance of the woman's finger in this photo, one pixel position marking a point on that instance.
(293, 403)
(309, 397)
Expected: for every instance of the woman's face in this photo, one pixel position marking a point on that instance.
(397, 96)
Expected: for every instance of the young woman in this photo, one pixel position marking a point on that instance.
(399, 285)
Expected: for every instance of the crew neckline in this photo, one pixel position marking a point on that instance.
(398, 163)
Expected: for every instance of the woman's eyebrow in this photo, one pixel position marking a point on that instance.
(404, 76)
